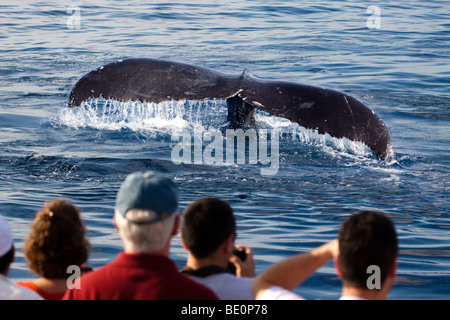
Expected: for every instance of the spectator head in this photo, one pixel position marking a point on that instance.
(145, 212)
(366, 239)
(57, 240)
(206, 224)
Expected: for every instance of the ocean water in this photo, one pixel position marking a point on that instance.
(393, 57)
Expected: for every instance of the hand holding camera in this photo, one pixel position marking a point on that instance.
(241, 263)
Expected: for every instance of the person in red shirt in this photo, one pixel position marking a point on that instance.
(147, 219)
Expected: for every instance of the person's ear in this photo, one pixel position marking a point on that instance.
(182, 242)
(393, 271)
(338, 268)
(229, 244)
(176, 224)
(114, 222)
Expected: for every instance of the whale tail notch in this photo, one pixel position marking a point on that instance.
(240, 113)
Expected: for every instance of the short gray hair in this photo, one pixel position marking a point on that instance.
(144, 238)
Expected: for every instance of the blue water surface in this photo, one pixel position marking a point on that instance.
(400, 68)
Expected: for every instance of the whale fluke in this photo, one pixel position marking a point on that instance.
(155, 80)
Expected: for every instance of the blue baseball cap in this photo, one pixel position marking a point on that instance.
(147, 191)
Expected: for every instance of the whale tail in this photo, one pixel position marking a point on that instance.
(153, 80)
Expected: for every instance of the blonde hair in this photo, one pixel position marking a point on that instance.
(144, 238)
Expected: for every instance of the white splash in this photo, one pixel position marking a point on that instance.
(112, 115)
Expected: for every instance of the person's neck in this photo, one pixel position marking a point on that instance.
(196, 264)
(51, 285)
(364, 293)
(164, 251)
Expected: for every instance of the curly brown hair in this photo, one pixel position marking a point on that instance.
(57, 240)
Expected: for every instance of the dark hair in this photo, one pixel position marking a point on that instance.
(57, 240)
(366, 238)
(206, 223)
(6, 260)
